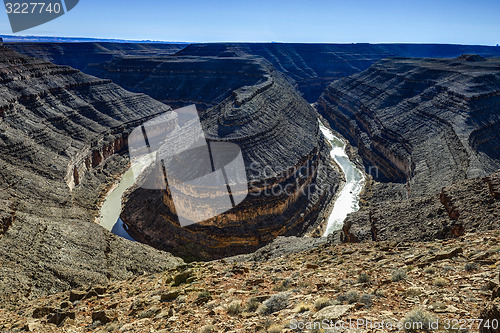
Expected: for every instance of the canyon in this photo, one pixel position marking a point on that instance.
(424, 130)
(291, 178)
(310, 67)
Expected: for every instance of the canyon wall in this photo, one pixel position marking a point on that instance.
(183, 80)
(423, 122)
(61, 132)
(426, 131)
(314, 66)
(83, 55)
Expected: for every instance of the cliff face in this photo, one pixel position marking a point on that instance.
(465, 206)
(426, 123)
(183, 80)
(285, 156)
(427, 131)
(314, 66)
(60, 131)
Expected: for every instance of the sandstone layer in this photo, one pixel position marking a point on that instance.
(84, 55)
(426, 130)
(314, 66)
(61, 135)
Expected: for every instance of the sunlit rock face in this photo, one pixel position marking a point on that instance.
(426, 123)
(285, 157)
(61, 132)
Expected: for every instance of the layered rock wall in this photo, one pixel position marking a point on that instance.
(60, 131)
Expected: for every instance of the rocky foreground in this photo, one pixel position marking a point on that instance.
(394, 282)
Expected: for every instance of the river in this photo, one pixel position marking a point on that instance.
(111, 208)
(348, 199)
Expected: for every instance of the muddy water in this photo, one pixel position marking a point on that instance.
(348, 199)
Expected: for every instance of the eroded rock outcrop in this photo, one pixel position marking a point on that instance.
(83, 56)
(60, 132)
(465, 206)
(287, 160)
(312, 67)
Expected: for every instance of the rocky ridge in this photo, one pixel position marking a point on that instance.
(311, 66)
(83, 56)
(282, 147)
(62, 133)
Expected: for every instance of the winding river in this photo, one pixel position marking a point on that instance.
(348, 199)
(112, 206)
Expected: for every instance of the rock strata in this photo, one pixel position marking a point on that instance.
(290, 175)
(423, 122)
(62, 133)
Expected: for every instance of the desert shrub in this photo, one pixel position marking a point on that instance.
(418, 321)
(208, 329)
(440, 282)
(447, 268)
(321, 303)
(275, 303)
(284, 286)
(471, 266)
(234, 308)
(366, 299)
(352, 297)
(302, 307)
(398, 275)
(364, 278)
(342, 298)
(429, 270)
(413, 292)
(203, 296)
(252, 304)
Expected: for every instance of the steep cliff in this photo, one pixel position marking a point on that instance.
(61, 132)
(285, 155)
(314, 66)
(81, 55)
(427, 132)
(423, 122)
(183, 80)
(463, 207)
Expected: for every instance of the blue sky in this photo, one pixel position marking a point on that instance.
(333, 21)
